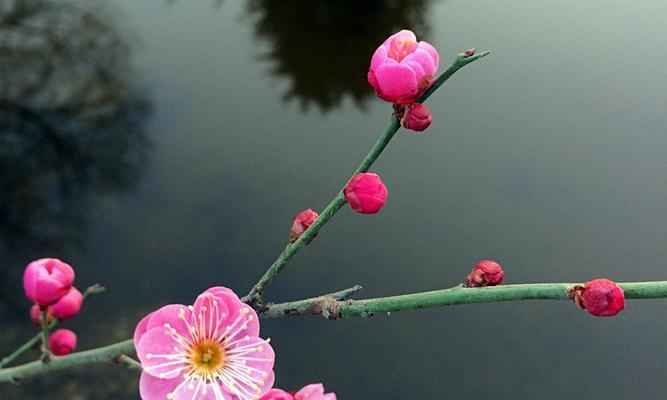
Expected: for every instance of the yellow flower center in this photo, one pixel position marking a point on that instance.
(207, 357)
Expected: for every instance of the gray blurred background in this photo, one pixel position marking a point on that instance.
(163, 147)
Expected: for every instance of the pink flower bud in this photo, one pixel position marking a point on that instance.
(485, 273)
(600, 297)
(69, 305)
(301, 222)
(47, 280)
(417, 118)
(62, 342)
(36, 315)
(365, 193)
(402, 68)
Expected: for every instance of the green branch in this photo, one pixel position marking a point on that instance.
(255, 294)
(332, 308)
(30, 344)
(100, 354)
(336, 305)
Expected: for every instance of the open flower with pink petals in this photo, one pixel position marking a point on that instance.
(402, 68)
(210, 351)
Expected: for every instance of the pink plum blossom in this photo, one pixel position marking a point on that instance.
(402, 68)
(313, 391)
(277, 394)
(62, 342)
(366, 193)
(210, 350)
(69, 305)
(47, 280)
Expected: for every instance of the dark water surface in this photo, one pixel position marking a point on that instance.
(162, 148)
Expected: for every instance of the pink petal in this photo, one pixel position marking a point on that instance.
(416, 66)
(152, 350)
(261, 359)
(404, 34)
(141, 328)
(248, 322)
(378, 58)
(213, 313)
(48, 291)
(314, 391)
(152, 388)
(277, 394)
(169, 314)
(425, 46)
(424, 59)
(268, 382)
(396, 81)
(216, 290)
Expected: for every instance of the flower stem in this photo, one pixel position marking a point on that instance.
(46, 352)
(91, 290)
(255, 294)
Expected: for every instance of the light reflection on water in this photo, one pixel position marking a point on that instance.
(548, 156)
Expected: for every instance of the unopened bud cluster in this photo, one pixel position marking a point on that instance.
(47, 282)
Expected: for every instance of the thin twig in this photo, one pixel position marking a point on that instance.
(128, 361)
(46, 351)
(91, 290)
(325, 305)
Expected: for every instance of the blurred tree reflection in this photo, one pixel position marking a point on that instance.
(70, 125)
(324, 47)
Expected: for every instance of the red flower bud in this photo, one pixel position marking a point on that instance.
(36, 315)
(62, 342)
(485, 273)
(600, 297)
(69, 305)
(417, 118)
(366, 193)
(301, 222)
